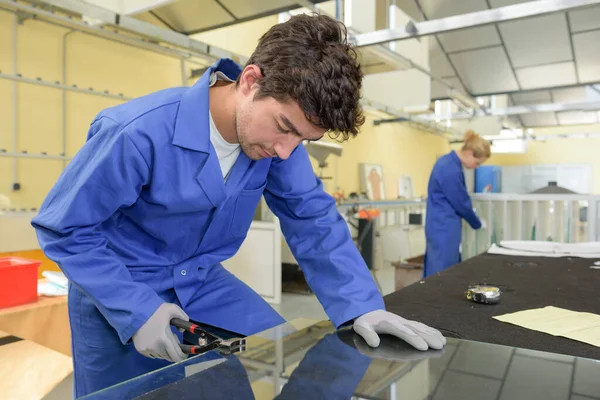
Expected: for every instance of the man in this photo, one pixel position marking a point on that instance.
(165, 189)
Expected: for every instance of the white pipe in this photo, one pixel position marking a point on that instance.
(184, 78)
(64, 97)
(15, 115)
(339, 10)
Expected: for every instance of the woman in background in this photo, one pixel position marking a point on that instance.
(448, 202)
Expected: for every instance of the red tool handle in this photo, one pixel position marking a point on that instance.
(186, 326)
(193, 349)
(190, 349)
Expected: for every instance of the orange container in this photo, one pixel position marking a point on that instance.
(18, 281)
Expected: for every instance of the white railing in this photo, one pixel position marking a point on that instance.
(567, 218)
(393, 212)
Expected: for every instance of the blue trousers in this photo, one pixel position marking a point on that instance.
(440, 254)
(100, 359)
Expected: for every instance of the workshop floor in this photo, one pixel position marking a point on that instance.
(292, 306)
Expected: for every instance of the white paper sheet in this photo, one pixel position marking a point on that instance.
(580, 326)
(495, 249)
(552, 247)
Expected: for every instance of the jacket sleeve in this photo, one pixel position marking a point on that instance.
(107, 173)
(453, 187)
(320, 240)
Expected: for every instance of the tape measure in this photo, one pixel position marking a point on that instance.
(483, 294)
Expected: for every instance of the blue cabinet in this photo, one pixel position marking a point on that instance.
(488, 179)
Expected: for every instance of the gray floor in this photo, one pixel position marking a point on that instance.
(300, 306)
(292, 306)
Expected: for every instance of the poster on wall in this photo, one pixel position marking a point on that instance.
(371, 176)
(405, 187)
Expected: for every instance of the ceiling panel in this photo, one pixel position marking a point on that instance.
(547, 76)
(576, 117)
(536, 41)
(473, 38)
(374, 60)
(439, 64)
(592, 92)
(535, 97)
(570, 95)
(410, 8)
(585, 19)
(149, 17)
(539, 119)
(587, 55)
(193, 16)
(435, 9)
(485, 71)
(439, 91)
(504, 3)
(190, 15)
(244, 9)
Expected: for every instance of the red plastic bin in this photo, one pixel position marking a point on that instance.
(18, 281)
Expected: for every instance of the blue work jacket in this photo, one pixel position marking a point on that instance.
(146, 191)
(447, 202)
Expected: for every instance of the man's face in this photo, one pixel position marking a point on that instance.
(267, 128)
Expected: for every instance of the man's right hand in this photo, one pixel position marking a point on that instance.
(155, 338)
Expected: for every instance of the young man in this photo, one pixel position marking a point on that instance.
(165, 189)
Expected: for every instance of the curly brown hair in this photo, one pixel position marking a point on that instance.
(309, 60)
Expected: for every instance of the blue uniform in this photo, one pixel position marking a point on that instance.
(447, 202)
(142, 216)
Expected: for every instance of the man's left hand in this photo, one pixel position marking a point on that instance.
(418, 335)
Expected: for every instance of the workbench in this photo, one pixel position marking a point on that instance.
(45, 322)
(526, 282)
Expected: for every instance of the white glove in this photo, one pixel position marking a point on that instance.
(483, 224)
(418, 335)
(155, 338)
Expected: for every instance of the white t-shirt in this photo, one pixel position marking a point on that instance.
(226, 152)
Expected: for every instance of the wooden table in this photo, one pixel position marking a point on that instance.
(45, 322)
(29, 370)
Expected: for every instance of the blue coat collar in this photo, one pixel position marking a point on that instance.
(192, 122)
(455, 158)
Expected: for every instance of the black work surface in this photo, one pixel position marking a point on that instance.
(526, 282)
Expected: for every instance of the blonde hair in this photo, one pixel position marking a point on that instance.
(478, 145)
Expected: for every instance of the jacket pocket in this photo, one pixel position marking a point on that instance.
(94, 328)
(244, 209)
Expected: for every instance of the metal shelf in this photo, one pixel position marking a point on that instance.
(7, 212)
(414, 120)
(473, 19)
(43, 156)
(149, 37)
(58, 85)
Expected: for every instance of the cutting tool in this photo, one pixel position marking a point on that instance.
(202, 340)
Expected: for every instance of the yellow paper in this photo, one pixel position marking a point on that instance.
(584, 327)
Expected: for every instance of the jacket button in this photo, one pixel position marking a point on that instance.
(183, 272)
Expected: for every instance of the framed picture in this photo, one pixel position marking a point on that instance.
(371, 177)
(405, 187)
